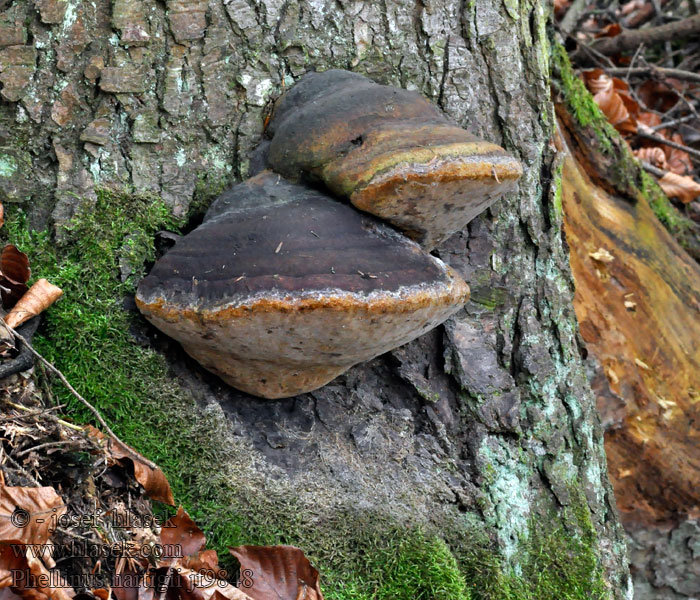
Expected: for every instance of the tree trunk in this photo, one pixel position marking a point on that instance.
(484, 426)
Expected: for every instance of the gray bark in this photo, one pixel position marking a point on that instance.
(489, 416)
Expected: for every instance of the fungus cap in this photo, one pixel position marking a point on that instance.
(282, 288)
(390, 152)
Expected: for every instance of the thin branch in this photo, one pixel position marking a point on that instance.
(73, 391)
(631, 38)
(674, 122)
(22, 470)
(658, 72)
(669, 143)
(652, 169)
(46, 445)
(48, 415)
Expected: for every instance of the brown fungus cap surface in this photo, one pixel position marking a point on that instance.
(389, 151)
(282, 288)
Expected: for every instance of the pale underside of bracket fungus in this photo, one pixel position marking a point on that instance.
(282, 288)
(390, 152)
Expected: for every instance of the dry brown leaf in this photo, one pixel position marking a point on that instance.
(560, 7)
(198, 587)
(153, 480)
(654, 155)
(2, 215)
(659, 95)
(597, 80)
(14, 274)
(678, 160)
(35, 301)
(19, 568)
(610, 30)
(181, 530)
(206, 560)
(612, 96)
(27, 514)
(650, 120)
(685, 188)
(278, 572)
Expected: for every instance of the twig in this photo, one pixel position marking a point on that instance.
(665, 142)
(46, 445)
(49, 416)
(73, 391)
(652, 169)
(659, 72)
(631, 38)
(592, 53)
(674, 122)
(22, 470)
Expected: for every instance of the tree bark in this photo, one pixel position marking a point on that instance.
(488, 420)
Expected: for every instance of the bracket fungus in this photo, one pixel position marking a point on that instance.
(389, 151)
(282, 288)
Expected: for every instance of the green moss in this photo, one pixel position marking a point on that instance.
(207, 187)
(556, 563)
(360, 555)
(579, 100)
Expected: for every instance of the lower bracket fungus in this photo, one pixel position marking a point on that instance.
(390, 152)
(282, 288)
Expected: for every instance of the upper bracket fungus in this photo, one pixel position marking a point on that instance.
(282, 288)
(389, 151)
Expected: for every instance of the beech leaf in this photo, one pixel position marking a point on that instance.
(183, 531)
(27, 513)
(612, 96)
(654, 155)
(685, 188)
(278, 573)
(35, 301)
(14, 274)
(153, 480)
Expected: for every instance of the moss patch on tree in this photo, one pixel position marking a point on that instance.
(360, 555)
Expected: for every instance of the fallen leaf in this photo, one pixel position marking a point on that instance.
(678, 160)
(610, 30)
(152, 479)
(27, 514)
(278, 572)
(612, 96)
(560, 8)
(685, 188)
(182, 531)
(35, 301)
(198, 586)
(19, 567)
(654, 155)
(14, 274)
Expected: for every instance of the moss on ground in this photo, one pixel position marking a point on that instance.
(361, 556)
